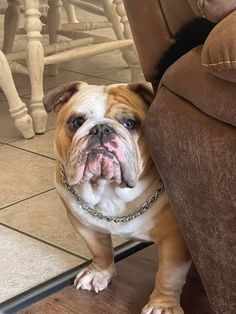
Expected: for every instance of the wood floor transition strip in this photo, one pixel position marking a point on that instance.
(53, 285)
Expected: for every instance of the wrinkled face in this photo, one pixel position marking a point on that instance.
(99, 134)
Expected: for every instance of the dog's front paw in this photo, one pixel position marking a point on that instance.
(158, 306)
(92, 279)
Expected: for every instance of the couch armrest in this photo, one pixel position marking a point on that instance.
(213, 10)
(153, 24)
(150, 33)
(195, 155)
(219, 49)
(188, 79)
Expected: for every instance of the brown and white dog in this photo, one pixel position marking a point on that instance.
(100, 144)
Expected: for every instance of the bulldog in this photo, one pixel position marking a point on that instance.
(109, 185)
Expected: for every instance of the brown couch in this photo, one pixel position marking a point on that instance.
(191, 134)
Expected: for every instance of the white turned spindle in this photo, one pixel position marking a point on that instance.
(70, 11)
(93, 8)
(120, 9)
(85, 52)
(50, 49)
(113, 18)
(11, 22)
(17, 108)
(35, 61)
(54, 24)
(130, 54)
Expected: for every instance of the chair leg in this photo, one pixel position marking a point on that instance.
(70, 11)
(11, 22)
(129, 54)
(54, 24)
(35, 61)
(17, 108)
(113, 18)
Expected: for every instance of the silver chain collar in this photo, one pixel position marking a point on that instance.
(93, 212)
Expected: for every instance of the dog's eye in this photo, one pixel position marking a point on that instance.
(129, 124)
(76, 123)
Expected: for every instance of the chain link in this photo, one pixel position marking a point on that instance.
(85, 206)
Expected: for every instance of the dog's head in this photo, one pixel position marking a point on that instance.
(99, 133)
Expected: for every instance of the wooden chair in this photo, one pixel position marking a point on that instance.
(17, 108)
(56, 52)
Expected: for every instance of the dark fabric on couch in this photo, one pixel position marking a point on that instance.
(191, 136)
(196, 157)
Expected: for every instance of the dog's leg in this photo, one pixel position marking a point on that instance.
(98, 274)
(174, 263)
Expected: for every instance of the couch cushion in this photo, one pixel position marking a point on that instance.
(188, 78)
(219, 49)
(213, 10)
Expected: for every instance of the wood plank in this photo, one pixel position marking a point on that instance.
(128, 292)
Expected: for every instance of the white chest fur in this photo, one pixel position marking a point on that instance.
(137, 228)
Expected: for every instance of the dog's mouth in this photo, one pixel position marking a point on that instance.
(94, 164)
(102, 164)
(113, 160)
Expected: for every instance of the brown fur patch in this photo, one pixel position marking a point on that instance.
(123, 95)
(142, 91)
(131, 102)
(63, 136)
(59, 96)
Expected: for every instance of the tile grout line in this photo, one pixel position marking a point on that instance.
(29, 151)
(5, 100)
(23, 139)
(27, 198)
(44, 241)
(94, 76)
(87, 76)
(71, 71)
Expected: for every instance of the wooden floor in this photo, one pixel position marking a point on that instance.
(127, 294)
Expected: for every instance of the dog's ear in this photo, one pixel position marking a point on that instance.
(58, 97)
(142, 91)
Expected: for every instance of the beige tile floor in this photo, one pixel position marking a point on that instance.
(37, 241)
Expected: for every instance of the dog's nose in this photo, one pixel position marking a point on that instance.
(102, 130)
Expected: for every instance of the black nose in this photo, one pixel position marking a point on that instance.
(102, 130)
